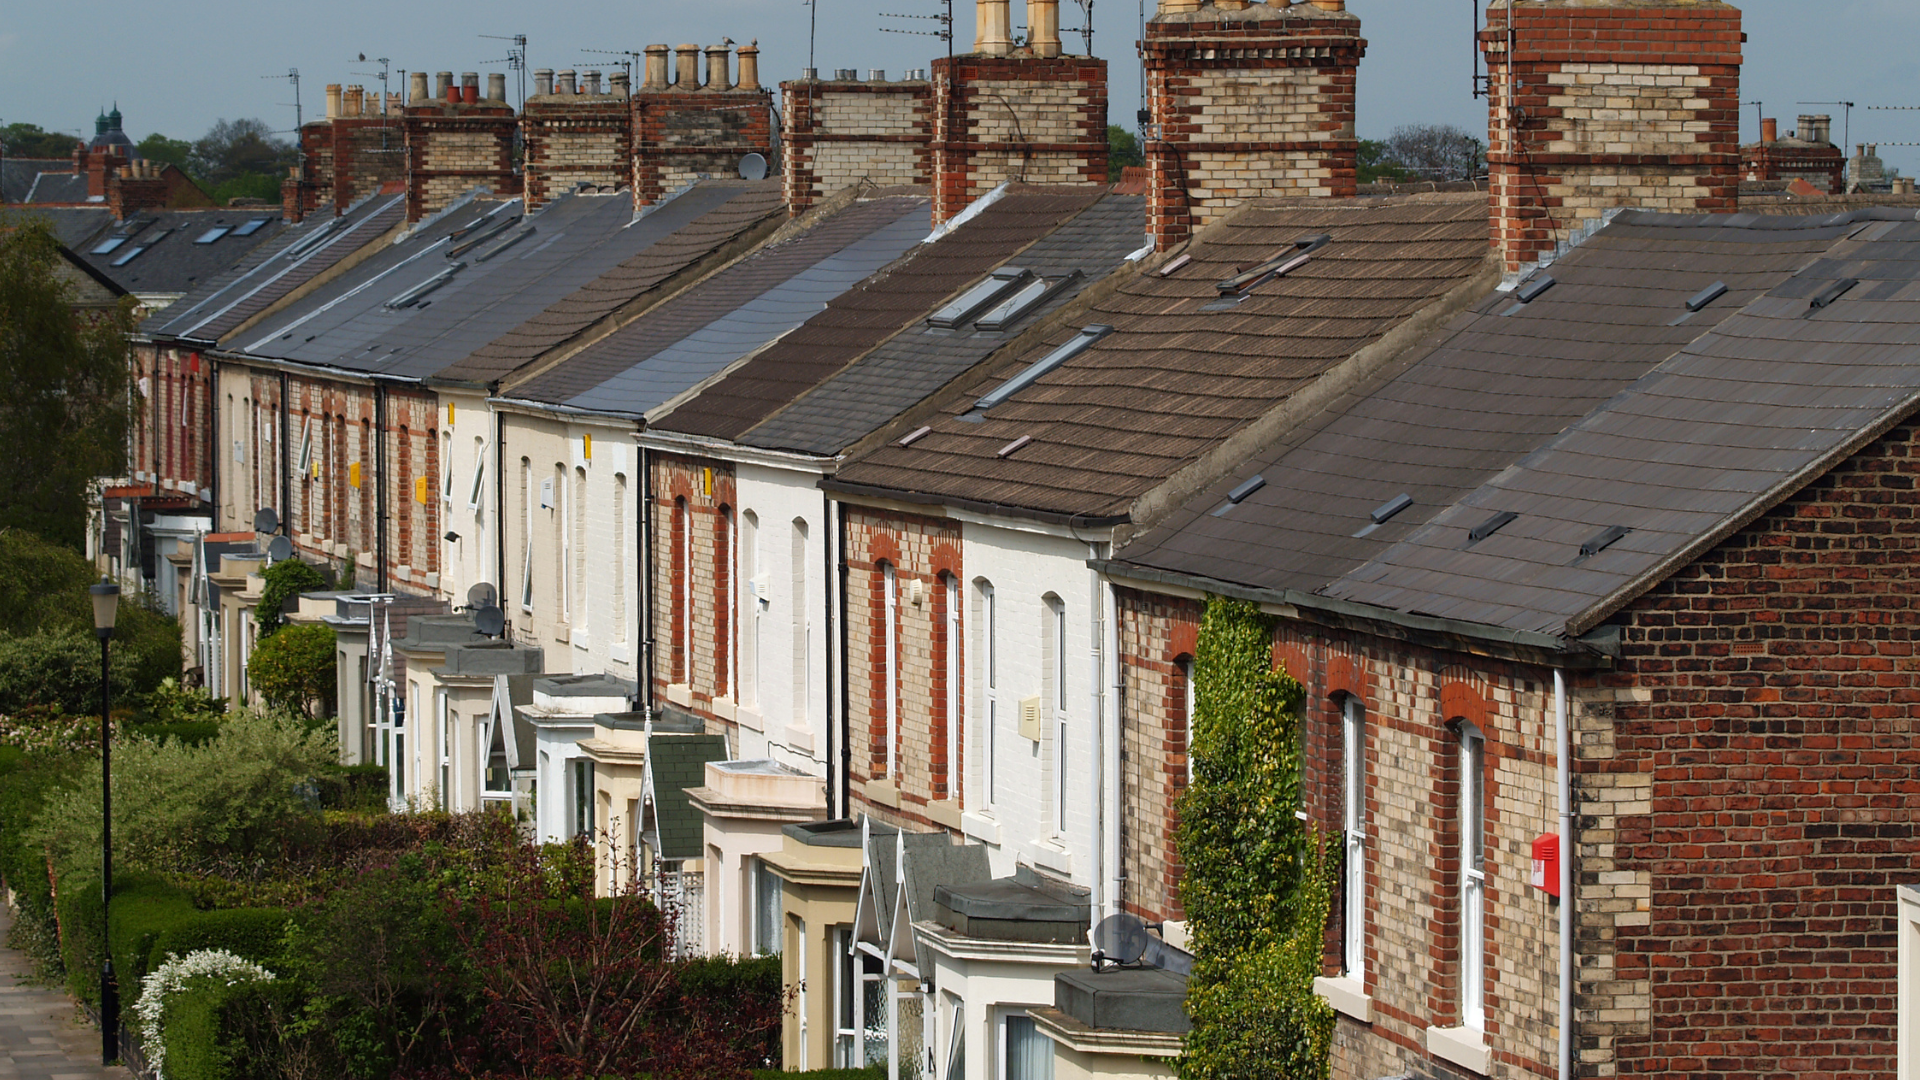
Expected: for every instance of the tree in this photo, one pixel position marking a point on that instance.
(44, 601)
(294, 669)
(1123, 149)
(66, 405)
(232, 149)
(29, 141)
(157, 147)
(1255, 888)
(1436, 152)
(285, 580)
(1375, 165)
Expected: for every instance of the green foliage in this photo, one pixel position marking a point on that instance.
(26, 780)
(60, 672)
(157, 147)
(293, 669)
(361, 788)
(250, 933)
(1123, 149)
(875, 1072)
(285, 580)
(24, 140)
(194, 1048)
(65, 403)
(176, 804)
(43, 591)
(1376, 166)
(1256, 887)
(237, 149)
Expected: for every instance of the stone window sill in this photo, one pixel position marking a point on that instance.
(1463, 1046)
(1346, 995)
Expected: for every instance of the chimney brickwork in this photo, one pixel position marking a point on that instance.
(575, 138)
(1596, 104)
(1806, 154)
(346, 157)
(1017, 117)
(456, 142)
(837, 132)
(684, 130)
(1247, 101)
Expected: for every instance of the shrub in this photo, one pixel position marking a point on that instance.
(293, 669)
(43, 591)
(249, 933)
(285, 580)
(188, 1036)
(1255, 887)
(355, 787)
(60, 670)
(27, 779)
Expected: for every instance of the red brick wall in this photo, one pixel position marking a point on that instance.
(1603, 105)
(678, 135)
(1764, 707)
(997, 118)
(175, 418)
(924, 551)
(694, 510)
(1822, 166)
(835, 133)
(577, 138)
(452, 149)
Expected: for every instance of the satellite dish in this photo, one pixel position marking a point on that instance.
(753, 167)
(265, 520)
(1119, 939)
(279, 549)
(490, 620)
(483, 595)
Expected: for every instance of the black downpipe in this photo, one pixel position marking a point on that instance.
(213, 438)
(826, 597)
(380, 481)
(846, 728)
(286, 476)
(500, 505)
(646, 573)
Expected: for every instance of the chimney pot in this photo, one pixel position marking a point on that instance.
(542, 82)
(1330, 5)
(876, 75)
(688, 77)
(470, 87)
(656, 68)
(593, 82)
(1769, 130)
(719, 61)
(1043, 23)
(496, 86)
(442, 85)
(750, 65)
(356, 101)
(564, 83)
(417, 88)
(992, 30)
(333, 100)
(618, 84)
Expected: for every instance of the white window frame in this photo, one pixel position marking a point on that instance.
(988, 658)
(1473, 879)
(446, 469)
(890, 584)
(953, 674)
(1353, 756)
(1056, 631)
(624, 564)
(477, 494)
(526, 535)
(747, 686)
(446, 748)
(800, 629)
(684, 589)
(1001, 1031)
(1185, 664)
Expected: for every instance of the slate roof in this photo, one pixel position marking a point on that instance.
(696, 335)
(679, 762)
(75, 226)
(1456, 412)
(1679, 433)
(921, 359)
(173, 261)
(750, 205)
(296, 255)
(57, 187)
(1171, 381)
(17, 175)
(859, 319)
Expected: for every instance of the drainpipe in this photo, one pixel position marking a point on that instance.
(380, 484)
(646, 570)
(1116, 874)
(286, 463)
(846, 729)
(499, 500)
(1563, 781)
(213, 437)
(1096, 643)
(826, 598)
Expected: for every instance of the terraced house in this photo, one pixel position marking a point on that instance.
(831, 549)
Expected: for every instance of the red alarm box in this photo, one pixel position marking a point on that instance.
(1546, 863)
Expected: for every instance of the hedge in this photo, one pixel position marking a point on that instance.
(872, 1072)
(152, 918)
(216, 1031)
(191, 732)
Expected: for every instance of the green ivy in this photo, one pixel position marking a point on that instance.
(1256, 886)
(286, 579)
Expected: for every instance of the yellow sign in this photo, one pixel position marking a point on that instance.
(353, 475)
(586, 445)
(315, 467)
(420, 490)
(706, 482)
(449, 414)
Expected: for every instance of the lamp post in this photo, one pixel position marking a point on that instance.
(106, 605)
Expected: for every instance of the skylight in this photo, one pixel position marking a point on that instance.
(412, 296)
(1023, 301)
(1072, 348)
(979, 298)
(252, 226)
(129, 256)
(213, 234)
(109, 244)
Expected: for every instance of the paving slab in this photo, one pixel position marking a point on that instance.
(43, 1034)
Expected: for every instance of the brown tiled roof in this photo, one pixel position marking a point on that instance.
(757, 204)
(880, 307)
(1172, 380)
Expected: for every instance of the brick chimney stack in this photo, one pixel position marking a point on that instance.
(456, 141)
(1247, 100)
(837, 132)
(1595, 104)
(683, 130)
(1031, 114)
(575, 138)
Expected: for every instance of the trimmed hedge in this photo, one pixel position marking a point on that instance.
(354, 787)
(151, 919)
(190, 732)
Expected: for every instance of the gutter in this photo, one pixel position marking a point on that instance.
(1050, 517)
(1530, 646)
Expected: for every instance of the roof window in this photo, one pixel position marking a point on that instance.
(254, 225)
(979, 298)
(129, 256)
(311, 240)
(517, 236)
(107, 245)
(1706, 296)
(1601, 541)
(412, 296)
(213, 234)
(468, 243)
(1280, 265)
(1023, 301)
(1067, 351)
(1831, 293)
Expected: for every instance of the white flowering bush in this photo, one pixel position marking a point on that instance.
(178, 973)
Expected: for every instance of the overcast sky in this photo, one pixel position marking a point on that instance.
(178, 67)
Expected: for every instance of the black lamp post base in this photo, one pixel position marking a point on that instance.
(109, 1015)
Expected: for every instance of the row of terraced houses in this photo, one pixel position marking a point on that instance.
(830, 546)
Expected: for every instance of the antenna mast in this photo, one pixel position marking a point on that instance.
(516, 60)
(1846, 139)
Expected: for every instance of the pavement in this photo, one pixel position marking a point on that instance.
(43, 1034)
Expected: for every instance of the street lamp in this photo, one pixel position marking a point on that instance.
(106, 604)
